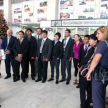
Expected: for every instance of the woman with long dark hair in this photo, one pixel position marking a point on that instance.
(76, 47)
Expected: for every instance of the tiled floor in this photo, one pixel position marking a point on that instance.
(37, 95)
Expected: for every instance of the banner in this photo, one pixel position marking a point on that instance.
(104, 9)
(86, 9)
(28, 9)
(17, 13)
(79, 23)
(42, 10)
(66, 9)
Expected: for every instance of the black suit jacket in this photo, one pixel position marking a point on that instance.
(47, 48)
(69, 49)
(85, 60)
(82, 53)
(22, 48)
(57, 50)
(33, 47)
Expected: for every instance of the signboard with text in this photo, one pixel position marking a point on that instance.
(79, 23)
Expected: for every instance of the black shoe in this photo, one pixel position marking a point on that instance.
(0, 105)
(67, 83)
(38, 80)
(23, 80)
(16, 79)
(33, 78)
(77, 86)
(43, 81)
(51, 79)
(57, 81)
(61, 80)
(7, 77)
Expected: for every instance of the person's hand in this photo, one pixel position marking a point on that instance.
(46, 60)
(20, 55)
(88, 76)
(8, 52)
(70, 58)
(32, 58)
(36, 58)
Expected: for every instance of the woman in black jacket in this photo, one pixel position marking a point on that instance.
(84, 84)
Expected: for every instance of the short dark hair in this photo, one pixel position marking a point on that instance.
(93, 36)
(44, 31)
(88, 36)
(21, 32)
(39, 28)
(68, 30)
(30, 30)
(58, 34)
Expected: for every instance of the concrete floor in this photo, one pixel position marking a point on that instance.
(37, 95)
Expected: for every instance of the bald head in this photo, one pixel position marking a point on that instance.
(9, 32)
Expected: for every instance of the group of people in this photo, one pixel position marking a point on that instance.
(40, 50)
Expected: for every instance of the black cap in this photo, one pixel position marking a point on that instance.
(93, 36)
(30, 30)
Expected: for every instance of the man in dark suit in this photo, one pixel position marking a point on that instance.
(38, 36)
(31, 54)
(82, 53)
(20, 48)
(7, 45)
(43, 56)
(68, 43)
(56, 56)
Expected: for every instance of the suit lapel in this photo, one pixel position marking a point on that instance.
(6, 41)
(23, 41)
(68, 42)
(56, 44)
(45, 42)
(10, 40)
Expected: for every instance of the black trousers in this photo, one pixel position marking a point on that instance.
(8, 61)
(85, 86)
(65, 64)
(42, 68)
(32, 63)
(55, 62)
(75, 61)
(17, 67)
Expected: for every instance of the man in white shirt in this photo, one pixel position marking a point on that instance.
(38, 36)
(43, 56)
(68, 43)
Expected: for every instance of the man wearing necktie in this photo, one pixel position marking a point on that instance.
(56, 56)
(31, 53)
(20, 48)
(43, 56)
(66, 59)
(7, 45)
(38, 36)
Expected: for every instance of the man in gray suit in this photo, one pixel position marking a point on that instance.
(66, 59)
(38, 36)
(43, 56)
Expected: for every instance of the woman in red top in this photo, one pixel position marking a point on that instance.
(76, 47)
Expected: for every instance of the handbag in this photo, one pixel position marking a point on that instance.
(100, 74)
(84, 69)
